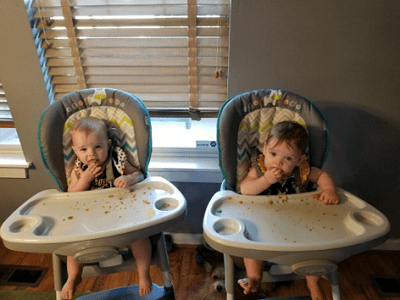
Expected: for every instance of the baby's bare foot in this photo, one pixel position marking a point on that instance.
(145, 286)
(68, 290)
(249, 284)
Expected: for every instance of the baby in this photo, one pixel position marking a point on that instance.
(284, 151)
(99, 166)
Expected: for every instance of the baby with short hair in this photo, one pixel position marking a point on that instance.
(283, 152)
(99, 165)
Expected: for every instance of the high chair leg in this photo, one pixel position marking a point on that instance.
(229, 277)
(59, 273)
(333, 278)
(162, 260)
(161, 257)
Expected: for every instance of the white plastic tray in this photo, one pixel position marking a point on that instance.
(53, 220)
(290, 223)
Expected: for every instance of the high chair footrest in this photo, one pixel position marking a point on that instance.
(131, 293)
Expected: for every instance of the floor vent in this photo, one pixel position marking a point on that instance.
(387, 286)
(21, 275)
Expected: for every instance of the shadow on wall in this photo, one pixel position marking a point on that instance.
(364, 157)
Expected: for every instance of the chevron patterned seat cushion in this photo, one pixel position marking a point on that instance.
(245, 121)
(254, 131)
(125, 114)
(121, 132)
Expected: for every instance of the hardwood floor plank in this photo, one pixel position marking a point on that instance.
(191, 280)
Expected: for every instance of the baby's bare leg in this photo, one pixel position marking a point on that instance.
(74, 270)
(254, 270)
(315, 289)
(141, 250)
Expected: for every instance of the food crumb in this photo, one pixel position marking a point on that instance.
(70, 217)
(146, 202)
(110, 196)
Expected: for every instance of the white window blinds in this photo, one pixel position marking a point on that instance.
(6, 120)
(172, 54)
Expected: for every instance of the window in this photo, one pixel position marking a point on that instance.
(5, 113)
(12, 161)
(172, 54)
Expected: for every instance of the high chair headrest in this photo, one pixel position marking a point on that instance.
(123, 112)
(245, 120)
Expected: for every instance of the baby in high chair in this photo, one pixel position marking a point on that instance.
(274, 172)
(99, 165)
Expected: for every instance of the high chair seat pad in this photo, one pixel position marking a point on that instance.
(125, 115)
(245, 121)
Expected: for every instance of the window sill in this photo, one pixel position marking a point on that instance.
(13, 163)
(186, 165)
(181, 166)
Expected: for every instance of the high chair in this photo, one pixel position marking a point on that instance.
(95, 226)
(297, 235)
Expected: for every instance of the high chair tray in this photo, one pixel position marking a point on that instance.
(62, 223)
(237, 224)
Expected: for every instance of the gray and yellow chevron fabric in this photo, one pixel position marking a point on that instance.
(253, 132)
(122, 132)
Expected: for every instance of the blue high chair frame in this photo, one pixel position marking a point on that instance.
(50, 136)
(219, 226)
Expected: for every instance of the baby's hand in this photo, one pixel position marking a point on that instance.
(121, 182)
(273, 175)
(91, 172)
(329, 197)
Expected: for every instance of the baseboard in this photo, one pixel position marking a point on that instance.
(197, 239)
(186, 238)
(390, 245)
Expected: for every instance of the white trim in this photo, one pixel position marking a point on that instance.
(186, 165)
(186, 238)
(392, 244)
(12, 162)
(13, 172)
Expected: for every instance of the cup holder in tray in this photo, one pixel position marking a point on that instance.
(166, 204)
(227, 226)
(26, 223)
(368, 218)
(39, 225)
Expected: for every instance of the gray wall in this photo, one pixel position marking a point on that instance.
(27, 97)
(342, 55)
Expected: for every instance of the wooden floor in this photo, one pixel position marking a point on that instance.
(191, 281)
